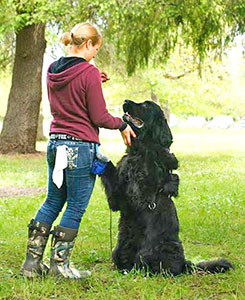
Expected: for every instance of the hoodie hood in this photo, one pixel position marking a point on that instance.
(63, 71)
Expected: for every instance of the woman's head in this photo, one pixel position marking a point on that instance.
(83, 37)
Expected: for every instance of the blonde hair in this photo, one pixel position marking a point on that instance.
(80, 34)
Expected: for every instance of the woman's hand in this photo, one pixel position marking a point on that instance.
(104, 76)
(126, 135)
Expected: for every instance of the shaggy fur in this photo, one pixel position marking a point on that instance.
(141, 187)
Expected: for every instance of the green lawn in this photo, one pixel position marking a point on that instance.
(211, 209)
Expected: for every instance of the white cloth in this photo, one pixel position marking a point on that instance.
(60, 164)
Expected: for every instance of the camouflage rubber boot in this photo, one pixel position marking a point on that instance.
(62, 243)
(38, 234)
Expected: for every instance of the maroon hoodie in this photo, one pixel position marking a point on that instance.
(77, 103)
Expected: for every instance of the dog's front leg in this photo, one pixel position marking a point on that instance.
(124, 254)
(110, 182)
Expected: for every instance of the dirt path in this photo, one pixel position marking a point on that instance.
(11, 191)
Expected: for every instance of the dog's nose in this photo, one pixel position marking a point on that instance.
(126, 105)
(128, 102)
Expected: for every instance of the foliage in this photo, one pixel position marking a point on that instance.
(219, 91)
(159, 34)
(144, 30)
(5, 81)
(210, 208)
(139, 31)
(6, 35)
(17, 14)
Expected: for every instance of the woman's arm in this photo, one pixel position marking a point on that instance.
(96, 104)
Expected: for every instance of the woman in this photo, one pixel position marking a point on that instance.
(78, 109)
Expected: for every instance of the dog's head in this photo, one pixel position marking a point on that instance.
(148, 121)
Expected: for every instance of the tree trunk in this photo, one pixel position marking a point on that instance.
(20, 123)
(154, 96)
(166, 110)
(166, 107)
(40, 134)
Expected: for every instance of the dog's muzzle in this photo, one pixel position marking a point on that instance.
(135, 122)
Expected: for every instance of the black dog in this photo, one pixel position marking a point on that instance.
(141, 187)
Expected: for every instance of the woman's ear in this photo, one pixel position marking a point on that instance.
(89, 44)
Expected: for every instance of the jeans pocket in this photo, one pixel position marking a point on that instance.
(72, 157)
(80, 157)
(51, 152)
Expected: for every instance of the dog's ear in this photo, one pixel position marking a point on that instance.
(162, 133)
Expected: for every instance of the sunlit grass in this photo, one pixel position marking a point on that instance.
(211, 209)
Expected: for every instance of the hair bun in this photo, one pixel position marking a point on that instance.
(80, 34)
(66, 38)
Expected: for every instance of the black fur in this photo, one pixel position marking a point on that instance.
(141, 187)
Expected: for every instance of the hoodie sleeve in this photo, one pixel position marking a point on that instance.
(96, 105)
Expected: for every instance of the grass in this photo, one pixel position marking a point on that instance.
(211, 209)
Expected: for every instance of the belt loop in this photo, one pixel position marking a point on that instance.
(92, 146)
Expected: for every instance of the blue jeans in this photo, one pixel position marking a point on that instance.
(77, 185)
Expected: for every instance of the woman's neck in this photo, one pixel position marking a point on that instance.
(76, 52)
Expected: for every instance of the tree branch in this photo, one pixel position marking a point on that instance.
(174, 77)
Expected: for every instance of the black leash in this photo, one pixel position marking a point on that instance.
(111, 230)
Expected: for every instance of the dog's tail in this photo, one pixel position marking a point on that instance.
(213, 266)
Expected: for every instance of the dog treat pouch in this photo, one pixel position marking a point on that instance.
(99, 163)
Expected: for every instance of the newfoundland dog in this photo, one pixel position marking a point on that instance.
(141, 187)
